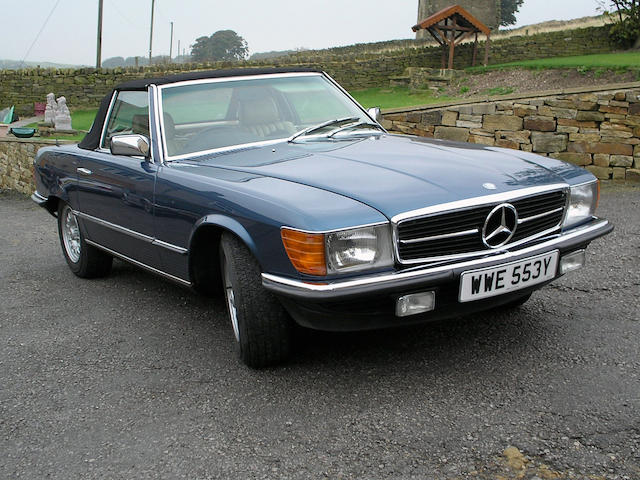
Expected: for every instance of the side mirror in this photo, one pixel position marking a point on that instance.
(375, 113)
(130, 145)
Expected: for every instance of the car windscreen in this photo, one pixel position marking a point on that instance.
(204, 116)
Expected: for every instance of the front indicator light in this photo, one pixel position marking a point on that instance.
(415, 303)
(305, 250)
(349, 250)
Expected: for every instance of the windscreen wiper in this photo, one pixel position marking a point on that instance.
(314, 128)
(355, 125)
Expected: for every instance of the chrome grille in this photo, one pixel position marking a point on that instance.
(459, 233)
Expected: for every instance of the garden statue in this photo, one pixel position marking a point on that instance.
(50, 109)
(63, 116)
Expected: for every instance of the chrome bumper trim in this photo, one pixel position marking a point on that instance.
(39, 199)
(289, 286)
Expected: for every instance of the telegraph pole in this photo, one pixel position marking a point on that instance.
(99, 46)
(171, 43)
(153, 2)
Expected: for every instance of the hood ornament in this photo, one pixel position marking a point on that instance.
(489, 186)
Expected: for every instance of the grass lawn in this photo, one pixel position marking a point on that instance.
(615, 61)
(80, 120)
(394, 97)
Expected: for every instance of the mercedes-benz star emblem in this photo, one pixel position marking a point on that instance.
(500, 225)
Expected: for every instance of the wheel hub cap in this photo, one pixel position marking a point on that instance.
(71, 235)
(231, 302)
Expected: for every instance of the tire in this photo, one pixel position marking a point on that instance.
(261, 326)
(84, 260)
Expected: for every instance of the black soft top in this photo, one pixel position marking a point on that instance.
(91, 141)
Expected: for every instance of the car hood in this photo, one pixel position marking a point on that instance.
(395, 174)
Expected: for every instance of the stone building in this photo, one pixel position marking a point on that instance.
(487, 11)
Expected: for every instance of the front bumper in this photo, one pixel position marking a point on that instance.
(357, 301)
(39, 199)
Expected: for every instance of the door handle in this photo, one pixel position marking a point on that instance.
(84, 171)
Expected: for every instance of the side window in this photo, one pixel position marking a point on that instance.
(130, 114)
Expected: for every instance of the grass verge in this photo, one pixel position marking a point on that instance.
(394, 97)
(615, 61)
(80, 120)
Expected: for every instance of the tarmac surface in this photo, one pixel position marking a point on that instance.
(133, 377)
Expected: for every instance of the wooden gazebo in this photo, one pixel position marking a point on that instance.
(452, 25)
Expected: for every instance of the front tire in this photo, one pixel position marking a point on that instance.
(84, 260)
(261, 326)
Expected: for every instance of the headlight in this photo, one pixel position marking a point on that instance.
(583, 201)
(342, 251)
(359, 249)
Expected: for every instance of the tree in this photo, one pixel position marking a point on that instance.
(222, 45)
(626, 31)
(508, 9)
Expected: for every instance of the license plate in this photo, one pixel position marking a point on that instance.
(501, 279)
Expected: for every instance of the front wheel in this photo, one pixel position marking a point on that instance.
(84, 260)
(261, 326)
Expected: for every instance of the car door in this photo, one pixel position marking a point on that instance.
(115, 193)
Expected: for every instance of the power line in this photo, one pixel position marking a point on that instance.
(122, 15)
(39, 33)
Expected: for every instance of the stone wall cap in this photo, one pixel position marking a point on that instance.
(515, 96)
(36, 140)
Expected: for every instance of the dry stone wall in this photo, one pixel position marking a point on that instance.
(16, 163)
(597, 130)
(354, 67)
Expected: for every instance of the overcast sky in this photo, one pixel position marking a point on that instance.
(70, 34)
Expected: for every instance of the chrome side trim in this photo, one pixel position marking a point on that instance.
(139, 264)
(113, 226)
(540, 215)
(344, 285)
(477, 201)
(169, 246)
(159, 138)
(106, 122)
(132, 233)
(444, 236)
(336, 229)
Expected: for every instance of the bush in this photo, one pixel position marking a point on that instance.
(626, 31)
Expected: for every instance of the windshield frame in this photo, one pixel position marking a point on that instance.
(160, 111)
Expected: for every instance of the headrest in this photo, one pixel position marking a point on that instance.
(258, 111)
(140, 124)
(169, 125)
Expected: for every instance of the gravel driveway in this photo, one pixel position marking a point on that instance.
(133, 377)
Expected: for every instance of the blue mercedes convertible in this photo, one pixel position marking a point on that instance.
(275, 188)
